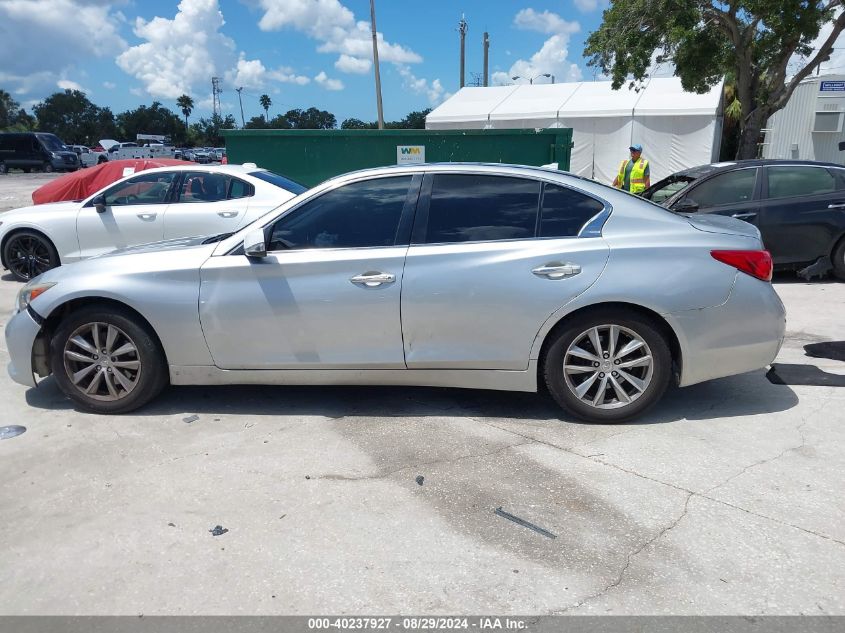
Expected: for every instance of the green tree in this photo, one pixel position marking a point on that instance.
(186, 104)
(310, 119)
(72, 117)
(207, 131)
(707, 39)
(357, 124)
(256, 123)
(8, 110)
(265, 102)
(152, 119)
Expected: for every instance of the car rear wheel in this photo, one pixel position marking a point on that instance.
(28, 254)
(107, 360)
(609, 367)
(838, 259)
(47, 168)
(3, 168)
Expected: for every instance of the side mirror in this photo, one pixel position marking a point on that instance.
(100, 203)
(687, 205)
(255, 244)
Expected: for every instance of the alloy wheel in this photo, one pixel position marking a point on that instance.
(28, 256)
(102, 361)
(608, 366)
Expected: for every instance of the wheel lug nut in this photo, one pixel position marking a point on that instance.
(616, 373)
(606, 355)
(595, 364)
(616, 362)
(601, 375)
(96, 357)
(97, 367)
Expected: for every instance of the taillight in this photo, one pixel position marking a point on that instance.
(755, 263)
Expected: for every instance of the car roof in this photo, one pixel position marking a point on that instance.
(703, 170)
(247, 168)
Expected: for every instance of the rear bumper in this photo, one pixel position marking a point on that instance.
(743, 334)
(21, 332)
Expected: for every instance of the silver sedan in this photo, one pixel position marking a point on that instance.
(475, 276)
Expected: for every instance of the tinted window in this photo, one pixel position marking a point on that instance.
(51, 142)
(668, 190)
(240, 189)
(203, 187)
(565, 211)
(788, 182)
(468, 208)
(729, 188)
(143, 189)
(280, 181)
(360, 214)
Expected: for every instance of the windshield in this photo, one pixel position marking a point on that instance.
(661, 193)
(51, 142)
(280, 181)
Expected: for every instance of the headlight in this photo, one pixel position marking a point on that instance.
(30, 291)
(55, 155)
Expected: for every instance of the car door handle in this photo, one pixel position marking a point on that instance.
(373, 279)
(556, 270)
(836, 206)
(744, 216)
(147, 216)
(227, 214)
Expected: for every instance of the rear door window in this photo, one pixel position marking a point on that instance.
(793, 181)
(565, 211)
(471, 208)
(729, 188)
(143, 189)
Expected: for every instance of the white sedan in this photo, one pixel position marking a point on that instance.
(149, 206)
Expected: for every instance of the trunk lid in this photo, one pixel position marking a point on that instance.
(710, 223)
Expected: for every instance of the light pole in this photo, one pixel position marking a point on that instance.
(531, 81)
(375, 64)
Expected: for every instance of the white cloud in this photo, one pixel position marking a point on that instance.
(108, 85)
(552, 58)
(355, 65)
(66, 84)
(334, 25)
(66, 32)
(590, 5)
(327, 83)
(181, 55)
(434, 91)
(545, 22)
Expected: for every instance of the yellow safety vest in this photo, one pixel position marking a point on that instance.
(637, 175)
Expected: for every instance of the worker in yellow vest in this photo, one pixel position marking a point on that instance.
(634, 175)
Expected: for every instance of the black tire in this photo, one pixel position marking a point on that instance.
(27, 254)
(632, 326)
(3, 168)
(47, 168)
(26, 170)
(838, 260)
(147, 381)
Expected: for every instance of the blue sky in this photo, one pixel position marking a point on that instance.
(302, 53)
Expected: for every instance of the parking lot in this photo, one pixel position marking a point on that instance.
(724, 499)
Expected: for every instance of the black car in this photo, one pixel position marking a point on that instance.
(35, 150)
(799, 206)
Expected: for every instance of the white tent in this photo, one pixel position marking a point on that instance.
(677, 129)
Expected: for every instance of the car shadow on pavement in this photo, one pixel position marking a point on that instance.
(747, 394)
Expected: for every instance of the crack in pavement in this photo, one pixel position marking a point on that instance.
(384, 475)
(628, 558)
(804, 421)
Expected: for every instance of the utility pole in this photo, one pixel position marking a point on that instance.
(238, 90)
(486, 57)
(375, 64)
(462, 29)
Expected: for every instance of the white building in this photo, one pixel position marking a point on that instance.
(677, 129)
(810, 126)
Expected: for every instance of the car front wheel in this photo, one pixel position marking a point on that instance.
(107, 360)
(28, 254)
(609, 367)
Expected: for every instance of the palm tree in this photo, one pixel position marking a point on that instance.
(187, 104)
(265, 102)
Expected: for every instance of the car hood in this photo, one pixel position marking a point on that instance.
(710, 223)
(32, 212)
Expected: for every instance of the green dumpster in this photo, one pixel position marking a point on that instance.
(311, 156)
